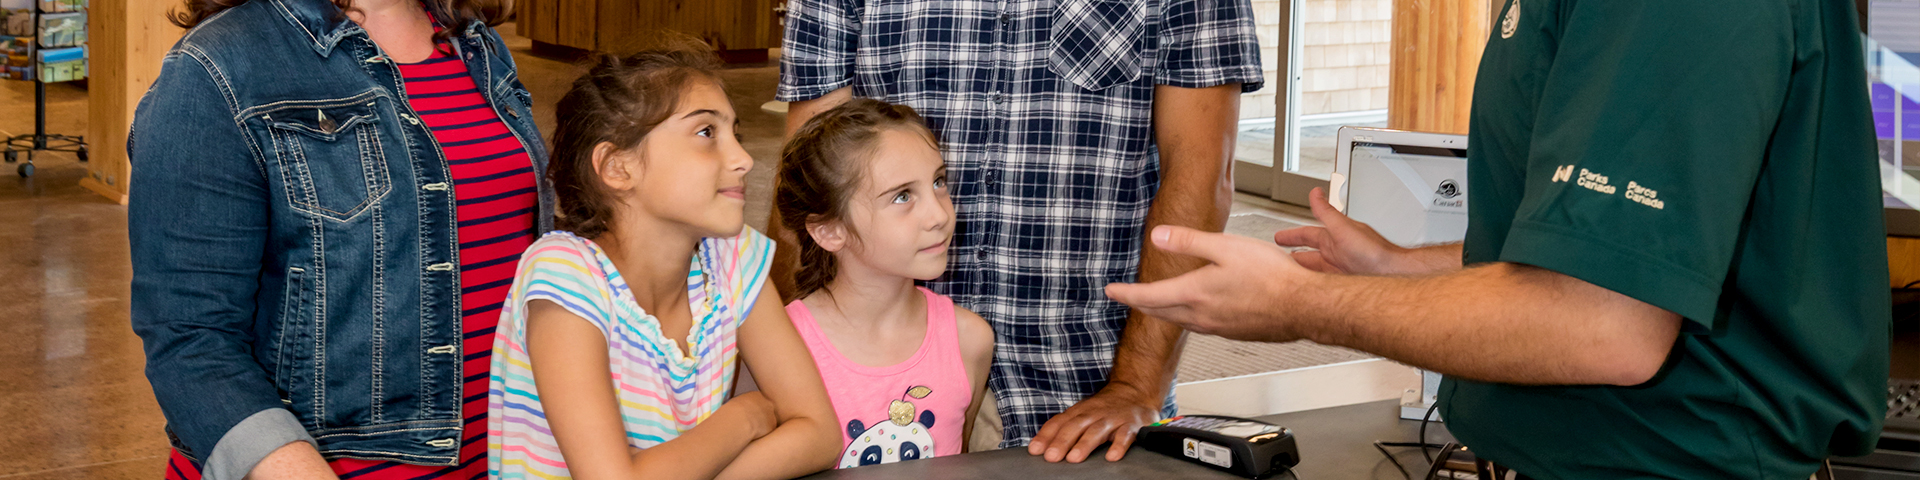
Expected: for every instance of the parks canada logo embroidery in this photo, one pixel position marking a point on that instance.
(1512, 22)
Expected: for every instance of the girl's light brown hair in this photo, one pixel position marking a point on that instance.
(619, 101)
(453, 14)
(820, 168)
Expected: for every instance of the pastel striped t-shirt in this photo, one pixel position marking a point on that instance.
(662, 391)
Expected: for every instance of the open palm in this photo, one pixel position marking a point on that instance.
(1342, 246)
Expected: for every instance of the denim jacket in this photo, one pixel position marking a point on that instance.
(294, 242)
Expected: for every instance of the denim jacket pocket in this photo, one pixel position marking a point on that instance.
(1098, 43)
(328, 153)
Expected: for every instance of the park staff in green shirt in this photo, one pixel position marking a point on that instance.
(1675, 265)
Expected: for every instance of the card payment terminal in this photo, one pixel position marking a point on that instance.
(1239, 446)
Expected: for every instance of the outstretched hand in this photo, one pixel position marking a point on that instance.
(1241, 295)
(1343, 245)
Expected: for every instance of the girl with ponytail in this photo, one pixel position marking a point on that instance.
(617, 347)
(864, 185)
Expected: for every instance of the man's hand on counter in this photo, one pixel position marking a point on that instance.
(1114, 414)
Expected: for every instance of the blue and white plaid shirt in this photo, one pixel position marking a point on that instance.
(1045, 110)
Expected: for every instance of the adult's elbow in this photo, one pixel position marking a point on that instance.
(1636, 357)
(1627, 372)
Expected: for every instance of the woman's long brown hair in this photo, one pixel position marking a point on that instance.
(454, 15)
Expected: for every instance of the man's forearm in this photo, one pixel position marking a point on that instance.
(1430, 260)
(1149, 349)
(1195, 129)
(1502, 322)
(799, 112)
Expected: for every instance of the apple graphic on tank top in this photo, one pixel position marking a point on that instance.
(899, 437)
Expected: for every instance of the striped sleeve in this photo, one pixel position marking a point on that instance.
(562, 269)
(742, 262)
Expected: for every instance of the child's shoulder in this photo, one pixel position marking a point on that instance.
(562, 248)
(976, 342)
(973, 329)
(746, 242)
(966, 320)
(560, 243)
(749, 251)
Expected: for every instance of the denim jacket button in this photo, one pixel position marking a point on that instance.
(410, 119)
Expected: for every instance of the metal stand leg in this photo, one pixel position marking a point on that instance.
(40, 140)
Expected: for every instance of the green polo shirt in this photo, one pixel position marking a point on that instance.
(1714, 158)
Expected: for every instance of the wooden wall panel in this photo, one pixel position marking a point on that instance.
(538, 20)
(747, 24)
(1903, 260)
(128, 38)
(575, 20)
(622, 26)
(1436, 51)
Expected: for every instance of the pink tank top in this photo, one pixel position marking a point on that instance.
(911, 410)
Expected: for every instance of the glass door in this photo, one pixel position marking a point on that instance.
(1336, 55)
(1892, 44)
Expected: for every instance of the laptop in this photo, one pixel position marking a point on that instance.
(1409, 186)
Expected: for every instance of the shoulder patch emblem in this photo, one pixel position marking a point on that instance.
(1511, 23)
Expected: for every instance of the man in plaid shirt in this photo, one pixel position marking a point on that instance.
(1070, 127)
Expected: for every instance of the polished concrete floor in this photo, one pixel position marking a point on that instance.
(74, 402)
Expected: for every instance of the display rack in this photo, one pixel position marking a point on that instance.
(66, 44)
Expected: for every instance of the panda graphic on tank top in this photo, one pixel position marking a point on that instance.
(902, 436)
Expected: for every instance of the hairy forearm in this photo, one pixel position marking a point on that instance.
(791, 450)
(1195, 130)
(1429, 260)
(1503, 323)
(1149, 348)
(799, 112)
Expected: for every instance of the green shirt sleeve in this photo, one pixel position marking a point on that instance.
(1652, 128)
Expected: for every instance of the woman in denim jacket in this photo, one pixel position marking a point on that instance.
(324, 193)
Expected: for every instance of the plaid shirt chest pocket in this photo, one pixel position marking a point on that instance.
(1099, 43)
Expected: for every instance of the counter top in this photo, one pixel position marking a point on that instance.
(1335, 444)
